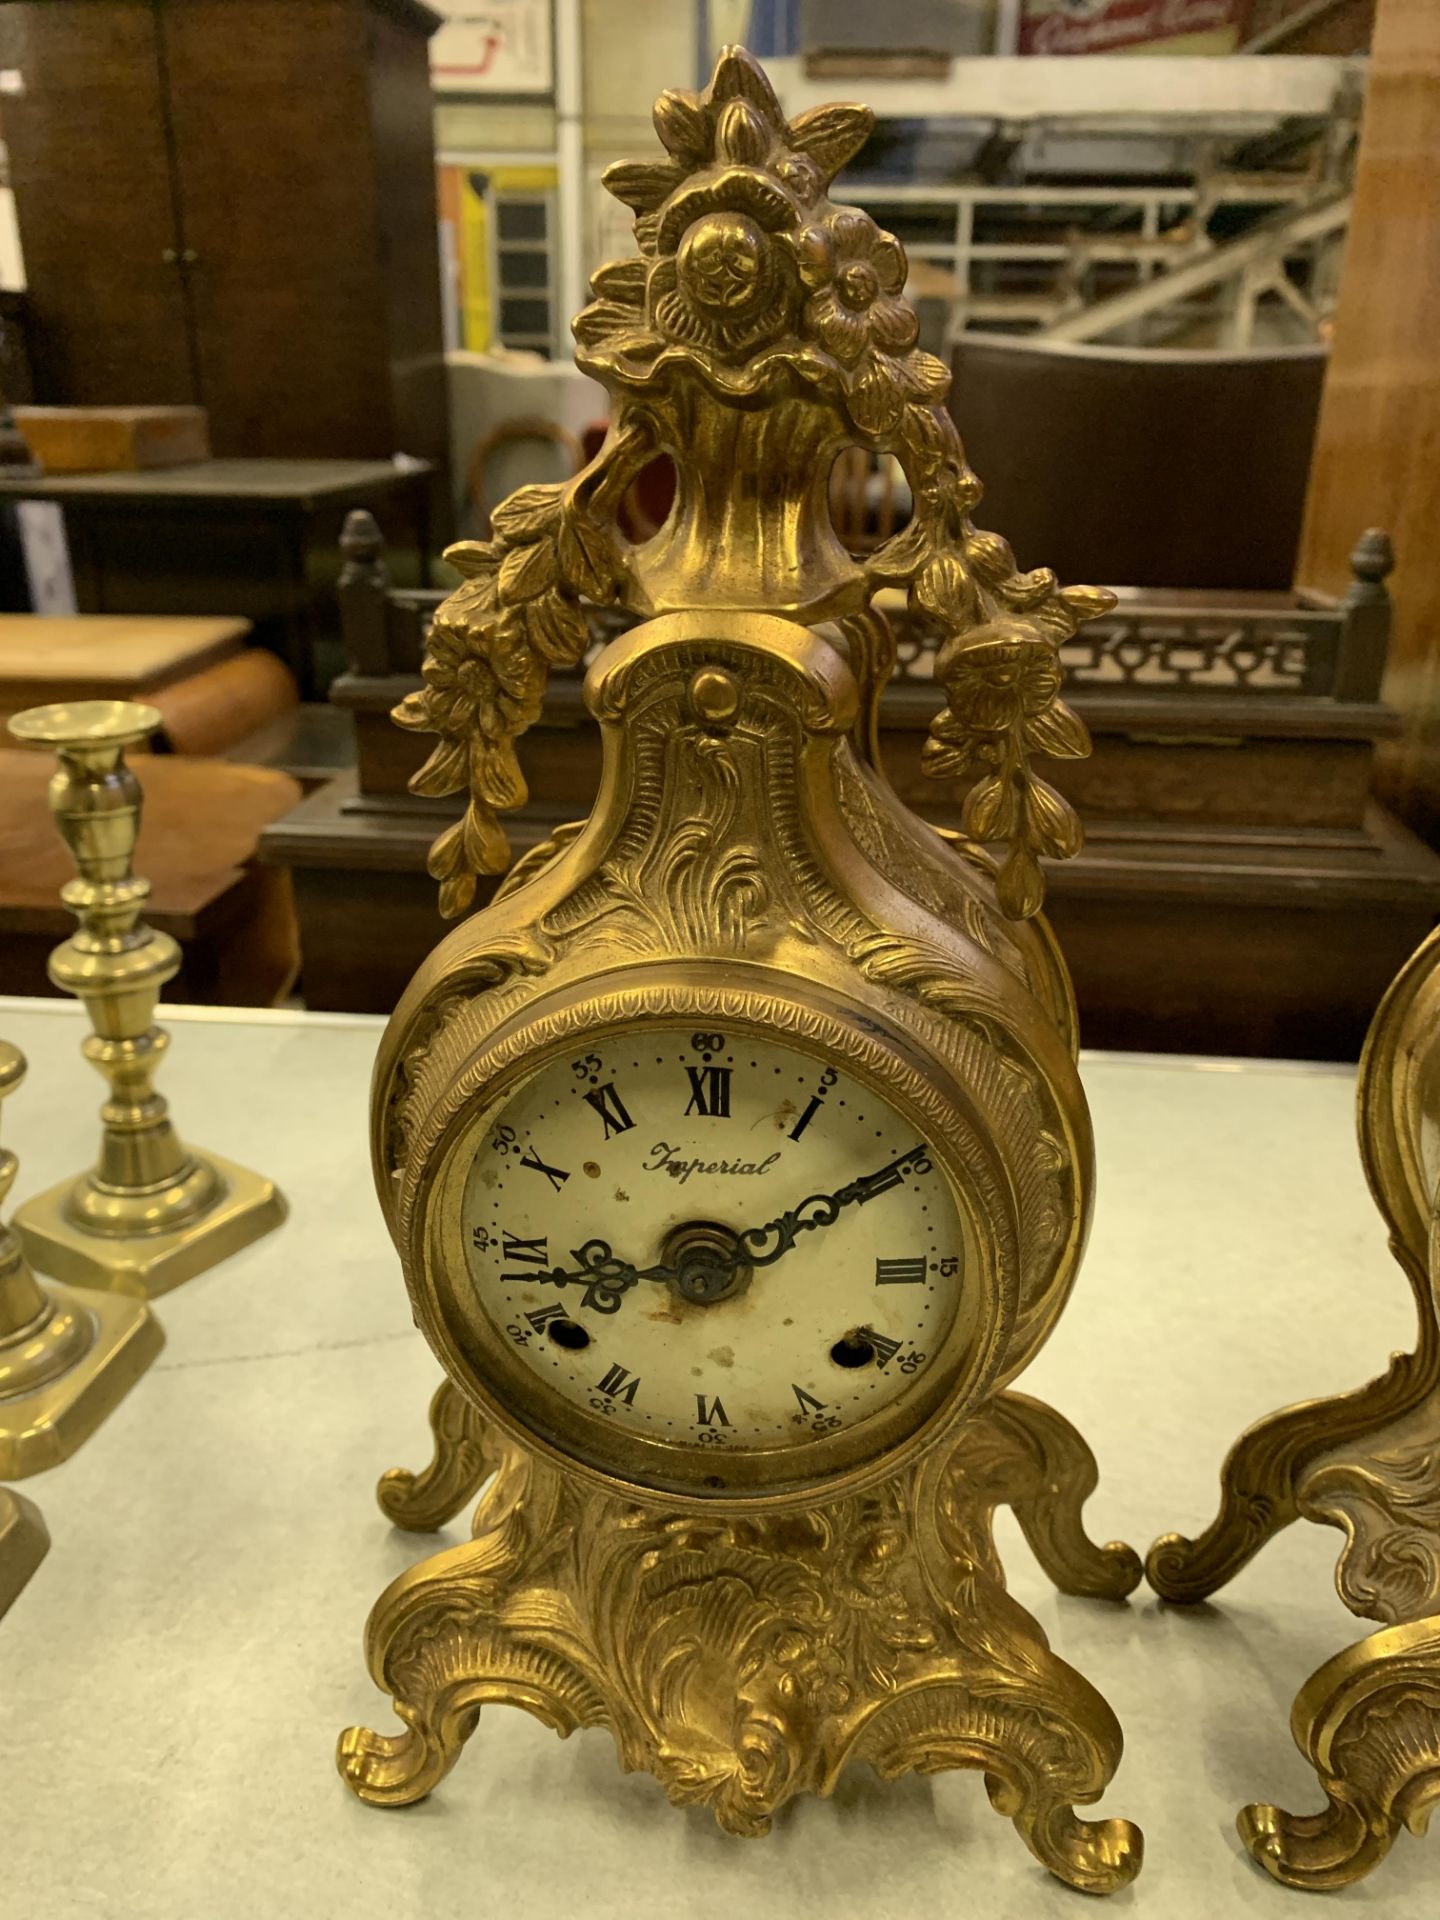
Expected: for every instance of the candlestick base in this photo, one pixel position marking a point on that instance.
(42, 1425)
(145, 1264)
(24, 1543)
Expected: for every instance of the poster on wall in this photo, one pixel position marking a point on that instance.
(492, 46)
(1131, 26)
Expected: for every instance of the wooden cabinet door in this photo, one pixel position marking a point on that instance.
(269, 105)
(90, 164)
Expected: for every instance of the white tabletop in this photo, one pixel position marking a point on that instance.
(173, 1680)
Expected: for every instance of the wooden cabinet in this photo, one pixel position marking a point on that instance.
(232, 203)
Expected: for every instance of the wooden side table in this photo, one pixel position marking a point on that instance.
(106, 656)
(253, 538)
(209, 688)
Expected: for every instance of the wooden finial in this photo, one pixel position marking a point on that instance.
(362, 544)
(1372, 560)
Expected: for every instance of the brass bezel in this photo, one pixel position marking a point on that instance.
(771, 1006)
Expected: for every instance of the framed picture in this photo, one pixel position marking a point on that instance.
(493, 46)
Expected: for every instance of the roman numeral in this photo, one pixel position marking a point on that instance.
(620, 1384)
(557, 1176)
(806, 1117)
(611, 1109)
(709, 1092)
(708, 1412)
(885, 1348)
(530, 1253)
(542, 1316)
(808, 1402)
(903, 1273)
(875, 1184)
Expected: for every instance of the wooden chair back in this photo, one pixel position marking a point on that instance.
(1142, 468)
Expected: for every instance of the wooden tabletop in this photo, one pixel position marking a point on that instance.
(91, 656)
(199, 828)
(205, 481)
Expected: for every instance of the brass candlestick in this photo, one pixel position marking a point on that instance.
(66, 1359)
(152, 1212)
(24, 1543)
(1367, 1462)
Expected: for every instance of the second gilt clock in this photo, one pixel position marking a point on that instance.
(735, 1151)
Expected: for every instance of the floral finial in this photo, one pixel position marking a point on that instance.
(753, 294)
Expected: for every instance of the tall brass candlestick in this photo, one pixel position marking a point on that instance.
(152, 1212)
(66, 1359)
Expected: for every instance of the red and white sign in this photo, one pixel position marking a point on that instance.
(1121, 26)
(492, 46)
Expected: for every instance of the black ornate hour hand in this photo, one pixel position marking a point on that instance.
(605, 1278)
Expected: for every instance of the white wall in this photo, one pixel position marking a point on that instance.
(634, 50)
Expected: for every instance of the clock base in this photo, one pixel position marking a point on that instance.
(744, 1661)
(1369, 1720)
(1368, 1463)
(1369, 1724)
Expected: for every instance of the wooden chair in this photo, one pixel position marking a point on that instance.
(1142, 468)
(868, 499)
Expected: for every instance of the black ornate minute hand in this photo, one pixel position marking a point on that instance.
(701, 1275)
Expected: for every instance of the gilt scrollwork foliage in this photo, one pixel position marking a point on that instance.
(1388, 1503)
(745, 1660)
(759, 329)
(517, 612)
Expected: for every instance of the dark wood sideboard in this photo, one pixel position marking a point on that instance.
(1240, 892)
(231, 204)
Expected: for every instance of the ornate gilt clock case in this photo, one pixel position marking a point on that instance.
(735, 1153)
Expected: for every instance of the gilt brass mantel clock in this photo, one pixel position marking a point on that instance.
(735, 1151)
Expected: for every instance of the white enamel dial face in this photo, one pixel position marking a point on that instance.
(659, 1149)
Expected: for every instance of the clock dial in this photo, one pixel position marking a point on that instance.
(713, 1240)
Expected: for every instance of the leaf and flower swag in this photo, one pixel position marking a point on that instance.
(751, 286)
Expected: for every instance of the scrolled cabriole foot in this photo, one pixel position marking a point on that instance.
(1037, 1763)
(487, 1669)
(423, 1502)
(1020, 1453)
(1094, 1856)
(1260, 1478)
(1369, 1723)
(472, 1626)
(454, 1635)
(1056, 1475)
(395, 1770)
(997, 1699)
(1317, 1851)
